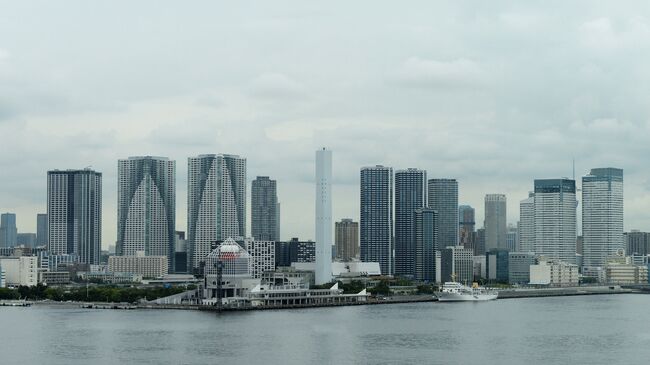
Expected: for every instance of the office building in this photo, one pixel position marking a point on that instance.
(181, 259)
(216, 203)
(519, 267)
(527, 224)
(8, 230)
(457, 264)
(497, 265)
(139, 264)
(26, 239)
(376, 223)
(479, 242)
(74, 214)
(41, 229)
(262, 255)
(637, 243)
(602, 215)
(443, 198)
(553, 273)
(426, 243)
(146, 207)
(323, 221)
(21, 270)
(555, 219)
(467, 226)
(495, 221)
(295, 250)
(265, 209)
(623, 270)
(347, 240)
(512, 237)
(410, 194)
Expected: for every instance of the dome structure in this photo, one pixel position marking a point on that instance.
(235, 259)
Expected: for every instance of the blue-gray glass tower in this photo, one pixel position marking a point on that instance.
(74, 214)
(376, 223)
(410, 194)
(146, 207)
(41, 229)
(426, 243)
(8, 231)
(265, 210)
(602, 216)
(443, 198)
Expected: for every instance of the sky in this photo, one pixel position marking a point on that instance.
(494, 94)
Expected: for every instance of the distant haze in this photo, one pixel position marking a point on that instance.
(493, 94)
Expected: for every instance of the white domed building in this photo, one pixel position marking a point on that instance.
(236, 278)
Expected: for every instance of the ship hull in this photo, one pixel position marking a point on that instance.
(459, 297)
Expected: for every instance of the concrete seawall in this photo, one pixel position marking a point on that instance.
(561, 292)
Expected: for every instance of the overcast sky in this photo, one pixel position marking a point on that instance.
(494, 94)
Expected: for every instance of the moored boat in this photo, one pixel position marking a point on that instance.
(452, 291)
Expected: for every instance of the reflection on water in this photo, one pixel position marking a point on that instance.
(577, 330)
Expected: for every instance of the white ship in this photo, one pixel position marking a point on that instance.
(456, 292)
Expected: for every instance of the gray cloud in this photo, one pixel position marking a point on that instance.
(492, 94)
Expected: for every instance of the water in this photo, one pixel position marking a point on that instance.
(607, 329)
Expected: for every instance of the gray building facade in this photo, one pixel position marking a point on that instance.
(146, 207)
(410, 194)
(426, 243)
(74, 214)
(8, 230)
(495, 221)
(265, 210)
(41, 229)
(376, 213)
(443, 198)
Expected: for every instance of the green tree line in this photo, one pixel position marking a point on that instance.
(93, 294)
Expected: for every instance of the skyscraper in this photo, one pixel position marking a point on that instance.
(146, 207)
(376, 224)
(265, 225)
(347, 240)
(602, 215)
(426, 243)
(216, 203)
(323, 216)
(410, 194)
(443, 198)
(495, 221)
(8, 230)
(41, 229)
(467, 224)
(512, 238)
(555, 219)
(74, 214)
(527, 224)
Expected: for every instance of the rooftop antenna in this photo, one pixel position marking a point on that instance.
(574, 169)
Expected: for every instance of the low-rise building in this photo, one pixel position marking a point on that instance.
(111, 277)
(20, 270)
(3, 278)
(519, 267)
(54, 277)
(624, 270)
(147, 266)
(553, 273)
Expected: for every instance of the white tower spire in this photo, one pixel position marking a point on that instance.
(323, 216)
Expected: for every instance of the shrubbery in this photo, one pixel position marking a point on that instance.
(93, 294)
